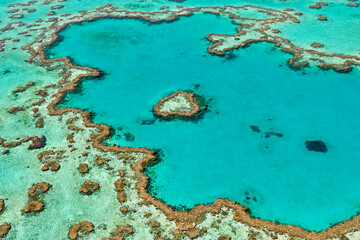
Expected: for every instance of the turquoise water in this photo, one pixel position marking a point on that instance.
(220, 156)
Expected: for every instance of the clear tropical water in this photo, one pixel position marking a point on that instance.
(220, 156)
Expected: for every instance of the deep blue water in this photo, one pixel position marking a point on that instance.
(220, 156)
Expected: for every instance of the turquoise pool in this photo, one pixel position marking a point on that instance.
(221, 156)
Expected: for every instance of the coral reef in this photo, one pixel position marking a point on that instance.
(81, 228)
(177, 104)
(34, 206)
(4, 229)
(37, 143)
(38, 189)
(122, 231)
(316, 45)
(2, 205)
(52, 166)
(89, 187)
(83, 168)
(187, 223)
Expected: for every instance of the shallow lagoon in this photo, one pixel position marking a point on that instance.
(219, 155)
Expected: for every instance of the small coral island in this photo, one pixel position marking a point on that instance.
(178, 105)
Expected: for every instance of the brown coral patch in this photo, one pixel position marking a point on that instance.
(124, 209)
(121, 197)
(322, 3)
(52, 166)
(89, 187)
(31, 83)
(38, 189)
(34, 206)
(316, 45)
(15, 109)
(2, 205)
(195, 232)
(41, 92)
(13, 10)
(83, 168)
(70, 138)
(83, 228)
(122, 231)
(352, 5)
(57, 6)
(16, 16)
(45, 154)
(223, 237)
(4, 229)
(19, 89)
(6, 151)
(322, 18)
(10, 144)
(119, 184)
(37, 143)
(40, 123)
(315, 6)
(38, 102)
(154, 224)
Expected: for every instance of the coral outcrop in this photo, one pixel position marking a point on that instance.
(177, 104)
(83, 168)
(34, 206)
(89, 187)
(38, 189)
(37, 143)
(122, 231)
(4, 229)
(2, 205)
(82, 228)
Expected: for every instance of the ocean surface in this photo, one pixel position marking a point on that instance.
(221, 155)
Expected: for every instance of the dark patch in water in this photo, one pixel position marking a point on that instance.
(230, 56)
(38, 143)
(255, 128)
(269, 134)
(148, 122)
(129, 137)
(316, 146)
(178, 1)
(196, 86)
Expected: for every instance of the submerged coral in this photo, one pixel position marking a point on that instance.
(316, 146)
